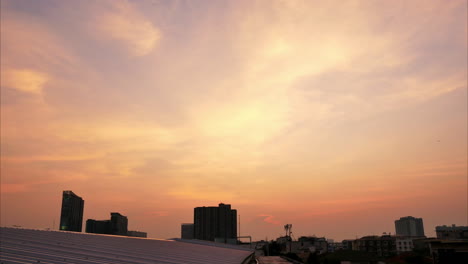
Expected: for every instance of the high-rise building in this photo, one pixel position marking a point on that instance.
(409, 226)
(215, 223)
(119, 224)
(71, 217)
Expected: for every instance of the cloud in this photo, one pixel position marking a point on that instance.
(24, 80)
(270, 219)
(124, 23)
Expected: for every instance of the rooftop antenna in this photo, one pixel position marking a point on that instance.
(239, 227)
(287, 228)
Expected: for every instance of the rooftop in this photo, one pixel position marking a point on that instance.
(28, 245)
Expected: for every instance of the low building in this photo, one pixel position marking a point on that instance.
(449, 251)
(383, 246)
(404, 244)
(452, 232)
(347, 244)
(117, 225)
(98, 226)
(314, 244)
(186, 231)
(137, 234)
(334, 246)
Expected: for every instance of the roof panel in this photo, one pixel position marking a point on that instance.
(28, 245)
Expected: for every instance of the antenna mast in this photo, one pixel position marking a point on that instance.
(239, 227)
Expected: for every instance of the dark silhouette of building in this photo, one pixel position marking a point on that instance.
(98, 226)
(452, 232)
(383, 246)
(409, 226)
(218, 223)
(187, 231)
(71, 217)
(119, 224)
(137, 234)
(449, 251)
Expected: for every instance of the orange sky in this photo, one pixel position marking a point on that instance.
(338, 117)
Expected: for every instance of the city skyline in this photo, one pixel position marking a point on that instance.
(338, 117)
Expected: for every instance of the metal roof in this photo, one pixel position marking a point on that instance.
(39, 246)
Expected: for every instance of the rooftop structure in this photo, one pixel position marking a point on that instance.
(37, 246)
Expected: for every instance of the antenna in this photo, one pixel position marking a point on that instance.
(287, 228)
(239, 227)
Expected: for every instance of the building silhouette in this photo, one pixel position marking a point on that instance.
(187, 231)
(409, 226)
(98, 226)
(215, 223)
(136, 234)
(71, 217)
(117, 225)
(452, 232)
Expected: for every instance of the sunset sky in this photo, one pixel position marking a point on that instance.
(337, 117)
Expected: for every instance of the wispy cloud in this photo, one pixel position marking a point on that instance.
(235, 101)
(122, 22)
(270, 219)
(24, 80)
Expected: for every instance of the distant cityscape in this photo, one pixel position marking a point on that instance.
(71, 219)
(219, 224)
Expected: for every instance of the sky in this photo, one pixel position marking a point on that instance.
(338, 117)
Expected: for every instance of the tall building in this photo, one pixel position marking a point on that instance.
(71, 217)
(215, 223)
(119, 224)
(409, 226)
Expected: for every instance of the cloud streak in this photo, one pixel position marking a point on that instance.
(122, 22)
(168, 106)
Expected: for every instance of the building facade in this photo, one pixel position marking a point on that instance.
(187, 231)
(98, 226)
(452, 232)
(218, 223)
(117, 225)
(137, 234)
(71, 216)
(404, 244)
(383, 246)
(409, 226)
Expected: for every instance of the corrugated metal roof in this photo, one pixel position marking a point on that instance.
(38, 246)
